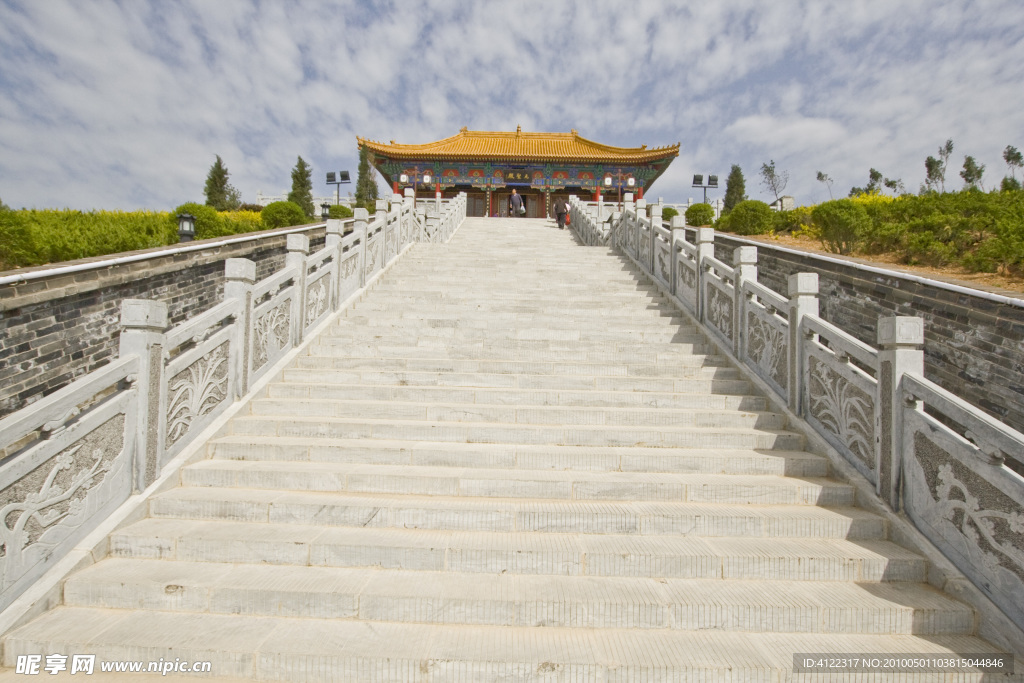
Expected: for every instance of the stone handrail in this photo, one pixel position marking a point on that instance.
(80, 453)
(954, 470)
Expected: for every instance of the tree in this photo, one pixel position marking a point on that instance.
(700, 214)
(824, 178)
(366, 184)
(302, 187)
(735, 192)
(972, 173)
(873, 186)
(220, 194)
(932, 174)
(1013, 158)
(772, 180)
(944, 153)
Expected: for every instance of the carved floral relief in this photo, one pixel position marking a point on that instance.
(195, 391)
(843, 409)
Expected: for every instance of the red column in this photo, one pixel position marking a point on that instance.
(639, 191)
(394, 188)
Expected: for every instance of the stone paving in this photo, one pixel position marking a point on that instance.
(512, 460)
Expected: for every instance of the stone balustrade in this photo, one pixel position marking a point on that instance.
(73, 457)
(954, 470)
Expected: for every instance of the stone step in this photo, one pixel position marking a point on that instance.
(478, 316)
(546, 484)
(483, 432)
(490, 552)
(518, 456)
(301, 650)
(386, 595)
(516, 397)
(596, 310)
(293, 505)
(536, 333)
(336, 357)
(448, 412)
(686, 380)
(512, 349)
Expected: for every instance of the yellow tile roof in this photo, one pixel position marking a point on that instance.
(560, 147)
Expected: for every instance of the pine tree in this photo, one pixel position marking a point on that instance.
(735, 190)
(302, 187)
(219, 193)
(366, 184)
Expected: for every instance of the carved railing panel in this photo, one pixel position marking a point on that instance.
(663, 257)
(963, 496)
(839, 397)
(719, 298)
(767, 345)
(71, 472)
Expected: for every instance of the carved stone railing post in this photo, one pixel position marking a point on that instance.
(705, 250)
(433, 224)
(421, 222)
(298, 251)
(655, 224)
(678, 225)
(361, 216)
(381, 219)
(744, 260)
(335, 233)
(803, 300)
(901, 344)
(636, 227)
(143, 323)
(239, 277)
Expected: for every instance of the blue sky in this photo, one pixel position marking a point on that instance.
(123, 105)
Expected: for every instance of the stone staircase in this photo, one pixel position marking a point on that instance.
(512, 460)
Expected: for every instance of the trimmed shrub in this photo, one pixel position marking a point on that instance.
(16, 247)
(668, 212)
(250, 207)
(749, 217)
(237, 222)
(797, 221)
(283, 215)
(340, 211)
(842, 223)
(699, 215)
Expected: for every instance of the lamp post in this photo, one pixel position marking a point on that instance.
(186, 227)
(698, 181)
(338, 181)
(404, 179)
(325, 211)
(619, 176)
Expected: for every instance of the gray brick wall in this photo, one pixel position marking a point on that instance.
(60, 327)
(974, 347)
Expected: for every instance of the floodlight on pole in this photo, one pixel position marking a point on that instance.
(698, 181)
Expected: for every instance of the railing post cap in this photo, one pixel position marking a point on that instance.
(641, 204)
(705, 234)
(677, 221)
(298, 243)
(335, 226)
(409, 192)
(656, 209)
(396, 198)
(803, 283)
(744, 256)
(144, 314)
(361, 214)
(382, 205)
(900, 330)
(240, 269)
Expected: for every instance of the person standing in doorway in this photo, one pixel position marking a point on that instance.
(560, 208)
(515, 204)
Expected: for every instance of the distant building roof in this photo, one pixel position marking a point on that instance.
(519, 146)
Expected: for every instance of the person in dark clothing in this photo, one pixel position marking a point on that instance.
(560, 208)
(515, 203)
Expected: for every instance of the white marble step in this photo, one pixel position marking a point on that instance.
(342, 357)
(486, 432)
(515, 397)
(518, 600)
(580, 485)
(704, 416)
(455, 513)
(686, 380)
(521, 456)
(490, 552)
(300, 650)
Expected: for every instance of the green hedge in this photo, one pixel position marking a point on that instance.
(283, 215)
(749, 217)
(699, 215)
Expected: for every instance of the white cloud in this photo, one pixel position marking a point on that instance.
(124, 105)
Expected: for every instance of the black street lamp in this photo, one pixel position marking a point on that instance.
(325, 211)
(698, 181)
(186, 227)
